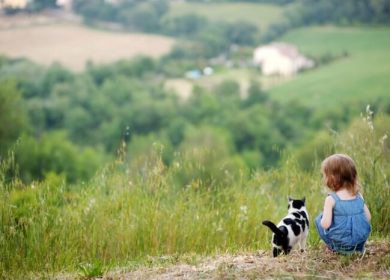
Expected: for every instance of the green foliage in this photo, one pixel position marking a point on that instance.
(255, 94)
(55, 76)
(95, 10)
(53, 152)
(228, 91)
(314, 12)
(242, 33)
(142, 16)
(38, 5)
(12, 115)
(92, 270)
(313, 151)
(185, 25)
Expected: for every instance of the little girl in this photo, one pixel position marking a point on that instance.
(344, 224)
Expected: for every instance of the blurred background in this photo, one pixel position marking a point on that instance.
(252, 78)
(135, 128)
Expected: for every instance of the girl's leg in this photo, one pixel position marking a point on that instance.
(322, 233)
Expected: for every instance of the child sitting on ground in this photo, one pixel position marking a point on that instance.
(344, 225)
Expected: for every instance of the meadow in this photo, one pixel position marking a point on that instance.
(360, 76)
(261, 15)
(131, 213)
(74, 45)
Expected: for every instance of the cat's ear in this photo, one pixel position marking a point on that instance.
(304, 199)
(290, 199)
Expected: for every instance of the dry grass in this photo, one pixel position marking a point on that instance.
(73, 45)
(316, 263)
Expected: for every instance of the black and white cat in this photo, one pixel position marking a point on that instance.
(292, 229)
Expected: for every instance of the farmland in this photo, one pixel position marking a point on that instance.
(74, 45)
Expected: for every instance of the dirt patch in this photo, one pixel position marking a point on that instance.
(73, 45)
(182, 87)
(374, 264)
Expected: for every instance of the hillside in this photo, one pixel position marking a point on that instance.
(74, 45)
(353, 71)
(361, 75)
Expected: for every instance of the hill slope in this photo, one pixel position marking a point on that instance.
(360, 76)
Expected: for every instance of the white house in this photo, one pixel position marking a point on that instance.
(280, 59)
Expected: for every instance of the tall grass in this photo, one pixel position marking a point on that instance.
(131, 211)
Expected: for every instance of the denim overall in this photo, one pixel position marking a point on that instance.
(349, 229)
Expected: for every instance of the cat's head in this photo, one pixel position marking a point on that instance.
(296, 204)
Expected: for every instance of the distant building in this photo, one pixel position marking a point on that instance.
(14, 4)
(65, 4)
(280, 59)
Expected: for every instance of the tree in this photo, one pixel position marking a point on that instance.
(228, 90)
(56, 74)
(255, 94)
(13, 118)
(53, 152)
(184, 26)
(38, 5)
(142, 17)
(242, 33)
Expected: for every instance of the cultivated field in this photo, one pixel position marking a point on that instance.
(262, 15)
(73, 45)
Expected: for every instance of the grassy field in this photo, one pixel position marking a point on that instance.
(74, 45)
(361, 76)
(141, 214)
(262, 15)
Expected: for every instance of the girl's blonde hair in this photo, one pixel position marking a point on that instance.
(340, 172)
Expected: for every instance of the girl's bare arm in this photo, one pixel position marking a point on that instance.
(327, 215)
(367, 212)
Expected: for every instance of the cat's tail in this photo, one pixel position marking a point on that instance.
(274, 228)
